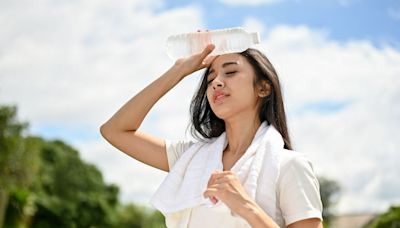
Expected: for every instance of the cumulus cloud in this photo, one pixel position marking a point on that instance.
(70, 65)
(52, 51)
(74, 63)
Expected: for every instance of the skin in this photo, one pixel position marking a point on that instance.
(122, 129)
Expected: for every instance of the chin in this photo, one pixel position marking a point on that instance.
(223, 114)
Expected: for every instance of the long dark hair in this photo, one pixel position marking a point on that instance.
(205, 124)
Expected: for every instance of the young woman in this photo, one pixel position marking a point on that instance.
(243, 163)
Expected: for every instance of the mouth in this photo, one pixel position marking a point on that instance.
(219, 97)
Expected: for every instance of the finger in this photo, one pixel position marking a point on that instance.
(220, 179)
(214, 200)
(220, 186)
(211, 193)
(212, 179)
(207, 50)
(209, 59)
(220, 174)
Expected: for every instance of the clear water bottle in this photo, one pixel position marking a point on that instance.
(229, 40)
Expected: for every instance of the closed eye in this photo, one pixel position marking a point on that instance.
(231, 72)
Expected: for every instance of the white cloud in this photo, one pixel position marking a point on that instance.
(74, 64)
(253, 25)
(93, 49)
(77, 62)
(249, 2)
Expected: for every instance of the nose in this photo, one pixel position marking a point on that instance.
(217, 83)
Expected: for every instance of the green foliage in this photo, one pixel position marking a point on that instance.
(20, 208)
(70, 192)
(131, 216)
(389, 219)
(18, 156)
(45, 184)
(329, 190)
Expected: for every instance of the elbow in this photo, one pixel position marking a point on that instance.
(105, 131)
(109, 130)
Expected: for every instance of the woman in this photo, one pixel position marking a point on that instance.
(243, 163)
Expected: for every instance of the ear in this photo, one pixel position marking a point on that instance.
(264, 89)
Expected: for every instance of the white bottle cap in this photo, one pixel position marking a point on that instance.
(255, 36)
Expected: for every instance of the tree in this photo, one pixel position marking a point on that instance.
(70, 192)
(391, 218)
(131, 216)
(18, 157)
(329, 190)
(45, 184)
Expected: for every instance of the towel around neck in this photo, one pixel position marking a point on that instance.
(186, 182)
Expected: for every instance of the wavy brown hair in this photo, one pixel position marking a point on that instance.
(205, 124)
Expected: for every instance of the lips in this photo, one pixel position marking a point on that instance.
(219, 96)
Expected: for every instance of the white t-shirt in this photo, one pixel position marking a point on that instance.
(297, 193)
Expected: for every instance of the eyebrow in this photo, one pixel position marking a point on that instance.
(223, 65)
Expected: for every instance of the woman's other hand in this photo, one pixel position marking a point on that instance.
(225, 186)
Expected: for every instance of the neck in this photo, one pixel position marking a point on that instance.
(240, 134)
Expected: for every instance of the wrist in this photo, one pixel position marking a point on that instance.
(177, 71)
(256, 216)
(249, 210)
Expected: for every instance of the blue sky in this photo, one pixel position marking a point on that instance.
(376, 21)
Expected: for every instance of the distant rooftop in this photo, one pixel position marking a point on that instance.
(352, 220)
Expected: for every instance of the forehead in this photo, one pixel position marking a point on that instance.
(220, 60)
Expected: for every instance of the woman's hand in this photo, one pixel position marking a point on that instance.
(225, 186)
(195, 62)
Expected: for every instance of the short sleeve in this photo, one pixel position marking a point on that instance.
(299, 195)
(175, 149)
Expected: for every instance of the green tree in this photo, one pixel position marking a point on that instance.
(70, 192)
(155, 220)
(18, 157)
(330, 191)
(45, 184)
(390, 219)
(134, 216)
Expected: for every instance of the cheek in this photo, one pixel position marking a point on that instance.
(209, 94)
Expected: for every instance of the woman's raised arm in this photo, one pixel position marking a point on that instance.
(121, 130)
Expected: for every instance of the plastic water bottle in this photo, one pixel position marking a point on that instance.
(229, 40)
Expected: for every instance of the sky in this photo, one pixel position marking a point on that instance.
(69, 65)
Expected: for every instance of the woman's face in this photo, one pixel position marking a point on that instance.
(230, 89)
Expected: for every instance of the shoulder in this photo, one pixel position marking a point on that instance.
(294, 160)
(297, 173)
(298, 188)
(176, 148)
(180, 146)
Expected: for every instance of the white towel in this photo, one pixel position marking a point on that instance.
(186, 182)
